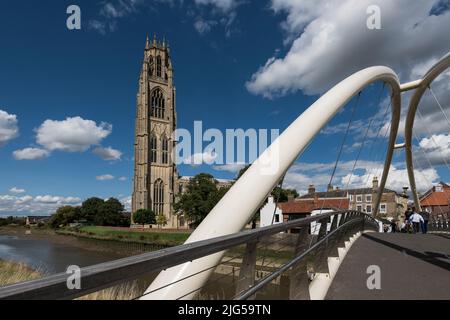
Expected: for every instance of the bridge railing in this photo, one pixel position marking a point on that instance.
(439, 224)
(279, 261)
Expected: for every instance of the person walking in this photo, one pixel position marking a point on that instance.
(393, 226)
(426, 217)
(408, 226)
(416, 219)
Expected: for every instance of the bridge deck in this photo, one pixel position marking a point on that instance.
(412, 267)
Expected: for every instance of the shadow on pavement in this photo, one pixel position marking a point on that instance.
(430, 257)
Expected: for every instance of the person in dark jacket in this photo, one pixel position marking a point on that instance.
(426, 217)
(408, 223)
(393, 226)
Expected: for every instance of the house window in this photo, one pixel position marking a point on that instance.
(369, 209)
(351, 198)
(158, 197)
(383, 208)
(277, 218)
(359, 208)
(368, 198)
(153, 148)
(359, 198)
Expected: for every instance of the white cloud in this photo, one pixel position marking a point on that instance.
(434, 151)
(73, 134)
(231, 167)
(397, 179)
(123, 179)
(39, 205)
(105, 177)
(204, 26)
(301, 175)
(223, 5)
(8, 127)
(108, 154)
(323, 52)
(47, 199)
(99, 26)
(214, 12)
(201, 158)
(30, 154)
(17, 190)
(126, 201)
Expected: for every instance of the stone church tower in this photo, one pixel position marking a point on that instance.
(155, 176)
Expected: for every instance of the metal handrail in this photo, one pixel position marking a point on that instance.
(269, 278)
(108, 274)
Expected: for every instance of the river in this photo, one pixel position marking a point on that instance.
(49, 256)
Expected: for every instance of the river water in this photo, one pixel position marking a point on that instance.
(49, 256)
(53, 254)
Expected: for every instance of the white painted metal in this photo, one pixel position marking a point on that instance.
(410, 85)
(240, 203)
(429, 77)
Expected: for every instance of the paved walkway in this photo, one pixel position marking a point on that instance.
(412, 267)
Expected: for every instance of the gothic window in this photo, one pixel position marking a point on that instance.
(158, 66)
(158, 197)
(153, 148)
(157, 104)
(151, 67)
(165, 150)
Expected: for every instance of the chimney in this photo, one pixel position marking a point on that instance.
(405, 190)
(290, 197)
(375, 183)
(330, 188)
(311, 189)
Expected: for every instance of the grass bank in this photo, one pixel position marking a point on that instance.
(159, 238)
(15, 272)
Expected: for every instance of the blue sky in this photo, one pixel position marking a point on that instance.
(238, 64)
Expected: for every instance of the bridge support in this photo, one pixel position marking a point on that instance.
(319, 286)
(247, 272)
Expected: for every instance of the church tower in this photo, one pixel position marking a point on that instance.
(155, 175)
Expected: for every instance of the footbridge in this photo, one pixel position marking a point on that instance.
(337, 254)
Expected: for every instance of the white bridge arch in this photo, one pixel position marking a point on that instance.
(420, 86)
(240, 203)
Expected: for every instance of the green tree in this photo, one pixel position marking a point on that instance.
(64, 216)
(283, 194)
(110, 213)
(90, 208)
(199, 199)
(161, 220)
(144, 216)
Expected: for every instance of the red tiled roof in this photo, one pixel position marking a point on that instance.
(436, 198)
(302, 206)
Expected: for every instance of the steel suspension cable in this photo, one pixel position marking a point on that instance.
(439, 104)
(432, 137)
(354, 109)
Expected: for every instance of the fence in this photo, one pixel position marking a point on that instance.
(278, 261)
